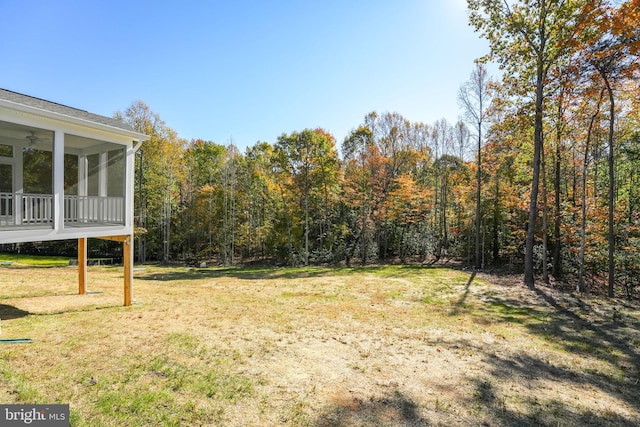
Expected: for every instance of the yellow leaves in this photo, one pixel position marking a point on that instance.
(407, 202)
(139, 231)
(206, 189)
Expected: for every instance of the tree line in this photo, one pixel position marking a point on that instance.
(541, 173)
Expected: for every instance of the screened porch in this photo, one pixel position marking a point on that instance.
(94, 180)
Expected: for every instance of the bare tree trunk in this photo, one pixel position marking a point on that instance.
(545, 224)
(583, 198)
(557, 248)
(166, 229)
(365, 214)
(611, 237)
(478, 194)
(225, 216)
(533, 203)
(436, 210)
(306, 225)
(233, 178)
(473, 98)
(142, 244)
(445, 235)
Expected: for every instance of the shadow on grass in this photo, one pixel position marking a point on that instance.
(55, 304)
(537, 409)
(396, 409)
(603, 336)
(612, 339)
(461, 301)
(170, 274)
(49, 295)
(8, 312)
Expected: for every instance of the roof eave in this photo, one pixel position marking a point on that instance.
(136, 136)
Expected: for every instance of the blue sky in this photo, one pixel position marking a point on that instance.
(243, 70)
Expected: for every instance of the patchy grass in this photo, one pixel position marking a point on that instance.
(15, 260)
(380, 346)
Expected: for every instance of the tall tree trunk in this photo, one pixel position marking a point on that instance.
(436, 211)
(557, 248)
(232, 207)
(596, 171)
(583, 198)
(474, 96)
(496, 214)
(545, 224)
(445, 235)
(478, 194)
(225, 221)
(142, 244)
(529, 279)
(306, 226)
(611, 237)
(166, 229)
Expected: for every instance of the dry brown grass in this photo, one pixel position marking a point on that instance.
(322, 347)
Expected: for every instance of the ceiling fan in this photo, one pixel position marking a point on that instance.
(32, 139)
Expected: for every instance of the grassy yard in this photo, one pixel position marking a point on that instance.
(31, 260)
(387, 346)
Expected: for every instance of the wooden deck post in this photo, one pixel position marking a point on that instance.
(82, 265)
(127, 255)
(128, 269)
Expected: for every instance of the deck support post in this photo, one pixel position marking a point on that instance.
(128, 269)
(82, 265)
(127, 258)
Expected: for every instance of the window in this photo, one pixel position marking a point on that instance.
(38, 171)
(115, 174)
(6, 186)
(6, 178)
(70, 174)
(93, 175)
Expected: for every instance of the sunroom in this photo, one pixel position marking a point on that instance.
(65, 174)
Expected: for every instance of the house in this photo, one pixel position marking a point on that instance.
(66, 173)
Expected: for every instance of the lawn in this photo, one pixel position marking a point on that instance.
(31, 260)
(387, 346)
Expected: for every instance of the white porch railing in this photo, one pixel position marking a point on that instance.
(93, 209)
(17, 210)
(6, 209)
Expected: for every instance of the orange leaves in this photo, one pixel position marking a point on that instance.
(407, 202)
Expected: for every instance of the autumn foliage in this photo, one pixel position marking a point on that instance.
(554, 156)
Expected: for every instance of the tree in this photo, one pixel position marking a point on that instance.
(474, 97)
(583, 194)
(407, 205)
(260, 191)
(159, 170)
(461, 136)
(452, 170)
(441, 137)
(562, 95)
(228, 187)
(614, 55)
(310, 159)
(203, 162)
(358, 149)
(379, 151)
(527, 38)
